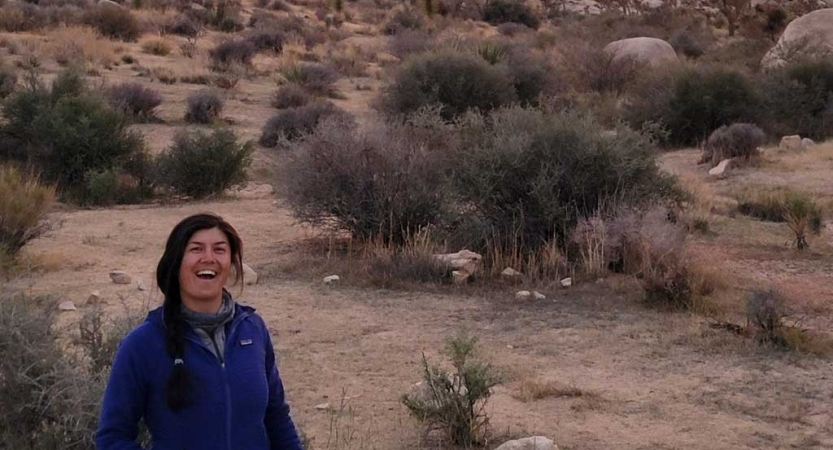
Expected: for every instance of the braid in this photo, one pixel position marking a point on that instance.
(178, 382)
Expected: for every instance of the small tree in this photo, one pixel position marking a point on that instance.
(732, 10)
(455, 402)
(776, 21)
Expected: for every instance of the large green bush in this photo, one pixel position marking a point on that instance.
(453, 80)
(530, 176)
(67, 132)
(693, 102)
(799, 99)
(199, 164)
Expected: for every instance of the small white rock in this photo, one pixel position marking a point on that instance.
(719, 171)
(807, 143)
(538, 295)
(791, 142)
(120, 277)
(67, 306)
(567, 282)
(523, 295)
(322, 407)
(140, 284)
(529, 443)
(510, 347)
(332, 279)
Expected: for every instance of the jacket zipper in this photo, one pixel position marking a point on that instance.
(227, 388)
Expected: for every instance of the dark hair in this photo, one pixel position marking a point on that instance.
(167, 278)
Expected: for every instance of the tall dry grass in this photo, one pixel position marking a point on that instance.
(80, 46)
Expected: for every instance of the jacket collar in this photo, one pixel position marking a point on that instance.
(157, 316)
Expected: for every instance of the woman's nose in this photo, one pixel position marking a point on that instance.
(208, 256)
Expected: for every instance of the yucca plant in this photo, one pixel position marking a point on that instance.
(490, 53)
(24, 203)
(801, 213)
(455, 402)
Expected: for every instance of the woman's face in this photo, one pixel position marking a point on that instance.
(205, 268)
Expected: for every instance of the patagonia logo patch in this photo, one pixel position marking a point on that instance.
(245, 342)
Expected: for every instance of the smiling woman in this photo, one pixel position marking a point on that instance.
(200, 372)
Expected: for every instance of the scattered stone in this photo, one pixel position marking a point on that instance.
(322, 407)
(120, 277)
(332, 279)
(249, 275)
(567, 282)
(67, 306)
(523, 295)
(808, 143)
(460, 276)
(538, 295)
(94, 298)
(791, 142)
(462, 260)
(140, 284)
(719, 171)
(511, 274)
(510, 347)
(529, 443)
(419, 392)
(644, 49)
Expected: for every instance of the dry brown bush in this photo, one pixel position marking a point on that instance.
(24, 203)
(113, 22)
(80, 46)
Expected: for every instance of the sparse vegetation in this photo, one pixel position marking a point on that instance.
(231, 53)
(317, 79)
(454, 403)
(290, 95)
(156, 47)
(800, 212)
(113, 22)
(402, 20)
(199, 164)
(497, 12)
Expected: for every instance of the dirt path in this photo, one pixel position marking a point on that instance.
(649, 380)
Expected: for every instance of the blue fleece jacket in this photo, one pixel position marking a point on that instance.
(236, 406)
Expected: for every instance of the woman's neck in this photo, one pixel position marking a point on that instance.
(203, 306)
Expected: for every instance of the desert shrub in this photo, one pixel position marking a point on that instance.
(204, 106)
(316, 78)
(691, 103)
(776, 21)
(24, 203)
(381, 182)
(770, 205)
(532, 75)
(765, 311)
(113, 22)
(156, 47)
(292, 124)
(800, 212)
(739, 141)
(530, 176)
(497, 12)
(290, 95)
(187, 26)
(511, 29)
(408, 42)
(455, 81)
(686, 43)
(403, 19)
(454, 403)
(8, 81)
(744, 54)
(67, 132)
(280, 5)
(199, 164)
(51, 391)
(799, 99)
(232, 53)
(134, 99)
(271, 40)
(597, 70)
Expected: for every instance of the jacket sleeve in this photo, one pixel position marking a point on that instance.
(279, 425)
(124, 400)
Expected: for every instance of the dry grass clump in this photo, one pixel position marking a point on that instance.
(231, 53)
(802, 214)
(158, 47)
(767, 317)
(403, 19)
(811, 158)
(531, 390)
(80, 46)
(315, 78)
(389, 265)
(799, 210)
(24, 203)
